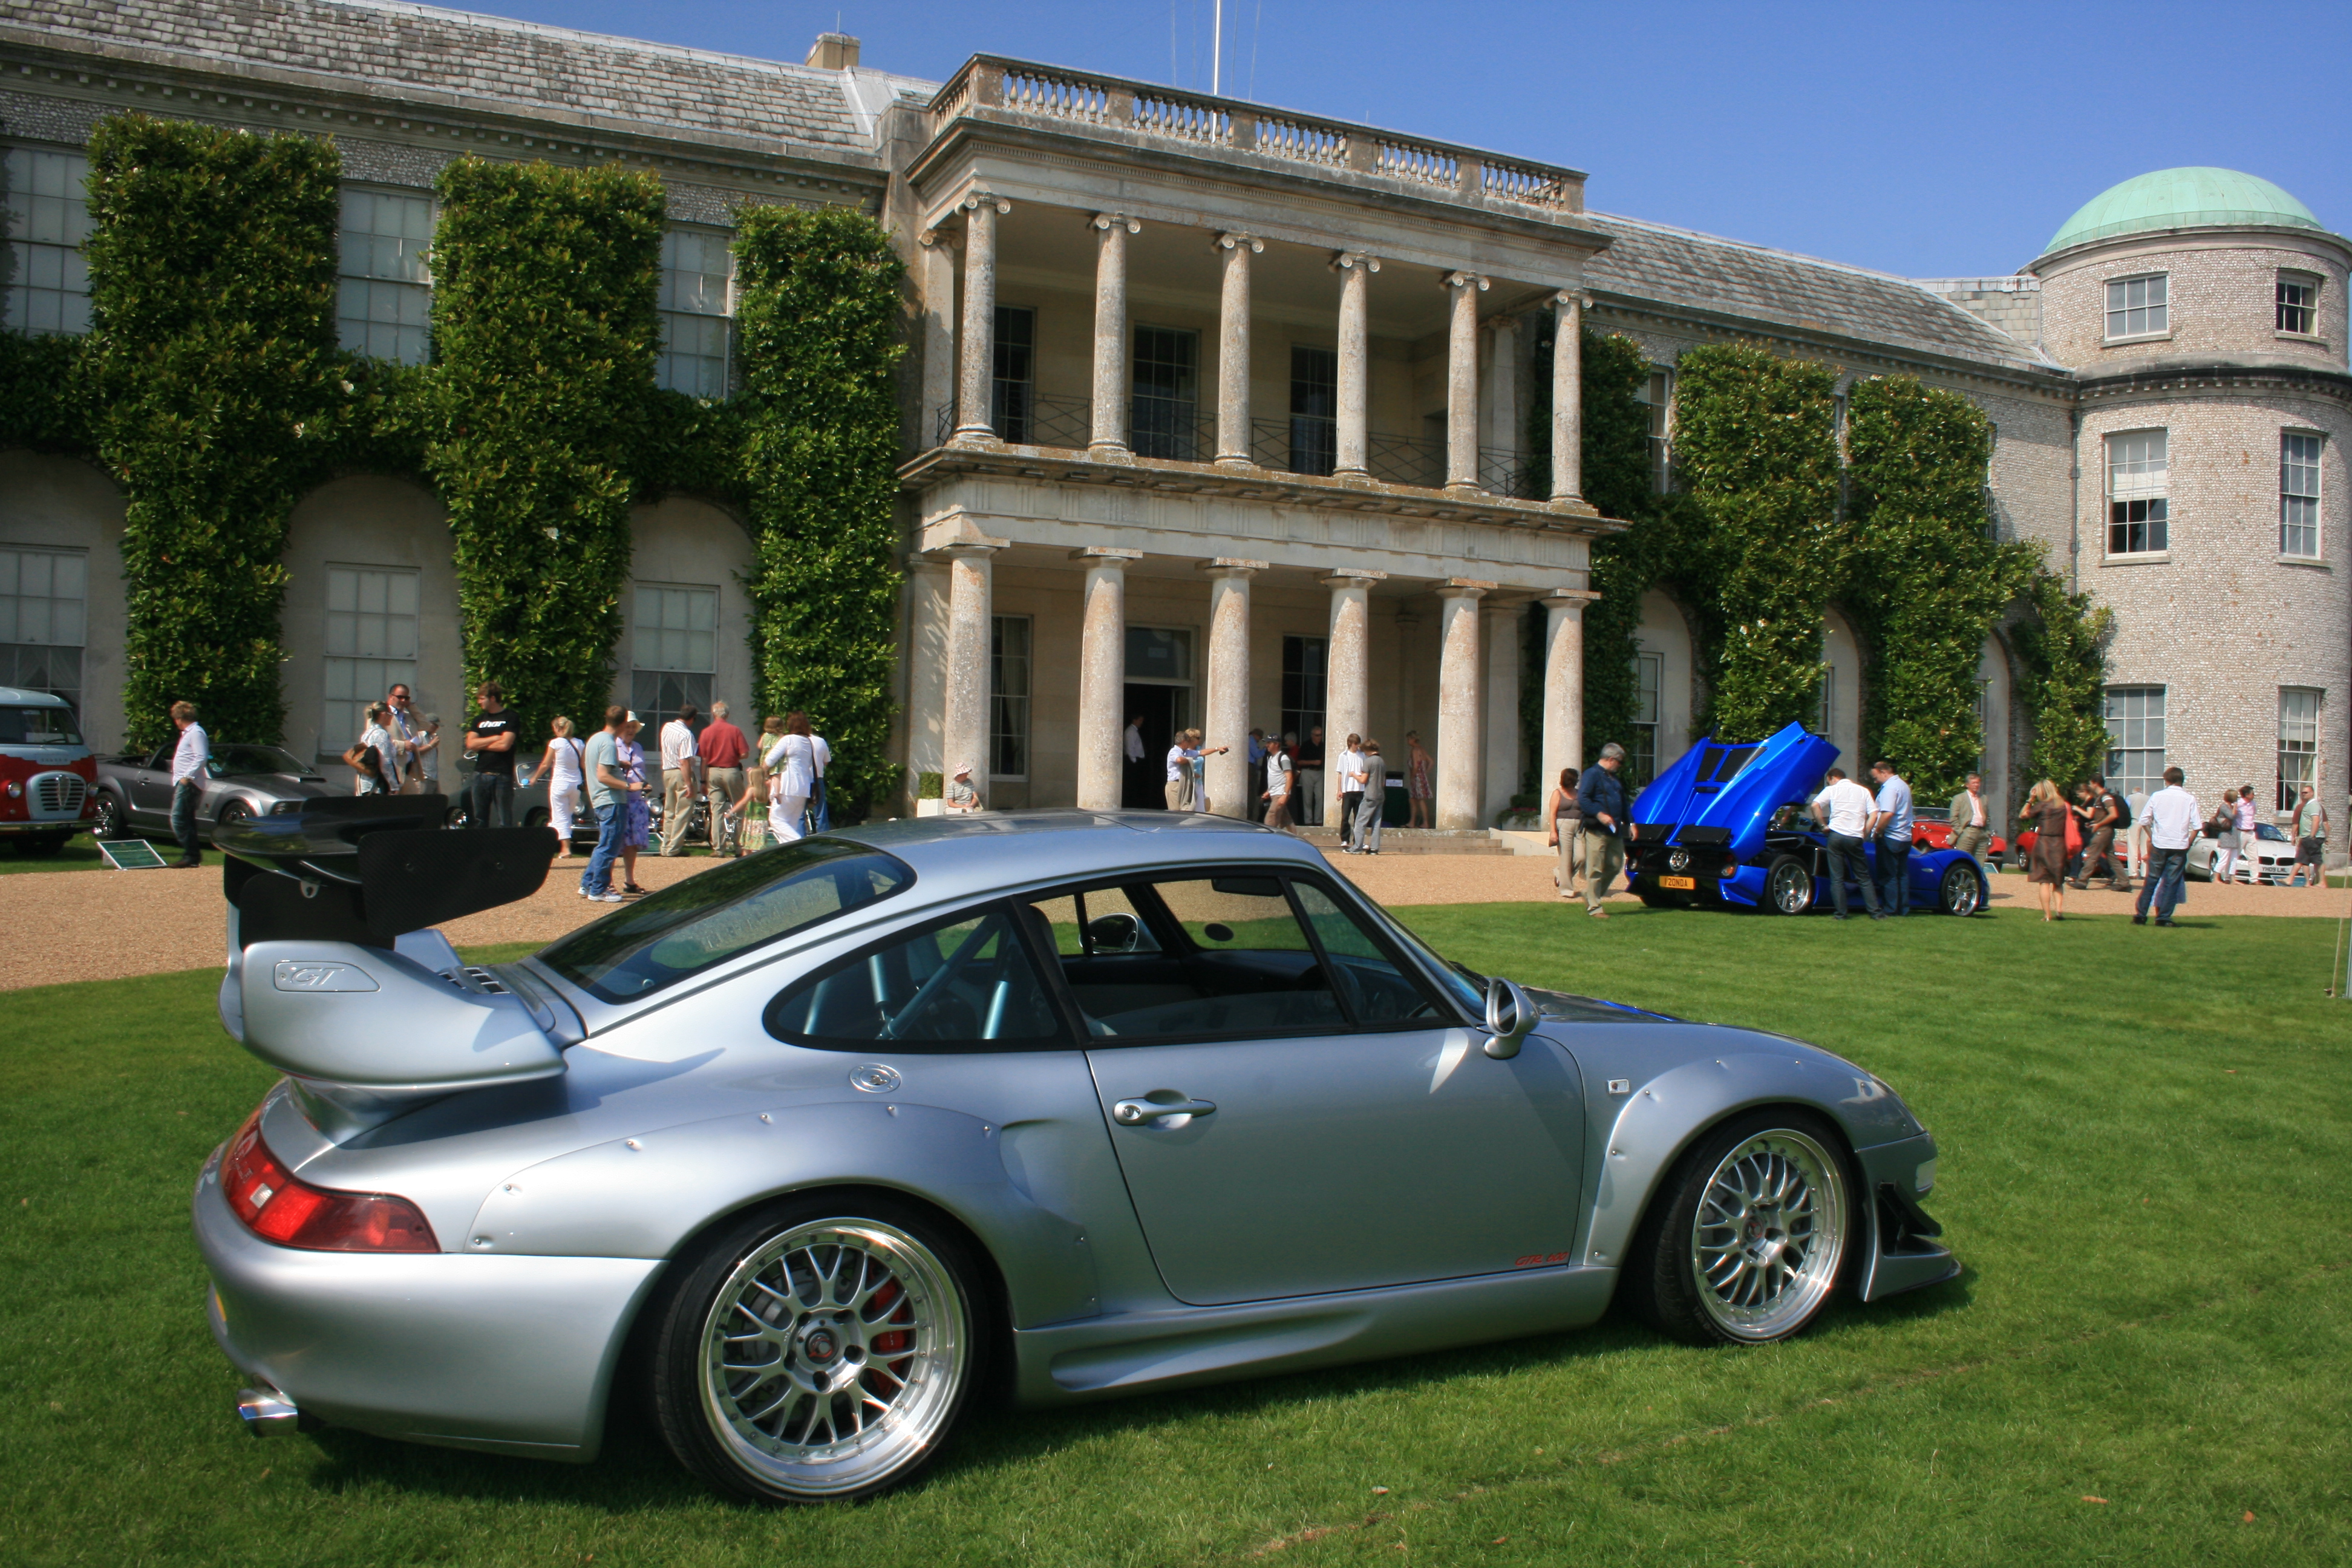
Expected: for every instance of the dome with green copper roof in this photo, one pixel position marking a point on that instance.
(2183, 198)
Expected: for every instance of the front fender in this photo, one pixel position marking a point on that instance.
(643, 1196)
(1661, 1118)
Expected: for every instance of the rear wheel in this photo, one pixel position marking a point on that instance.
(1789, 886)
(1960, 893)
(1745, 1240)
(814, 1352)
(112, 821)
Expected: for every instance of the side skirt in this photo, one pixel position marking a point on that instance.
(1183, 1347)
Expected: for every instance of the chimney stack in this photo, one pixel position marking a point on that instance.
(834, 52)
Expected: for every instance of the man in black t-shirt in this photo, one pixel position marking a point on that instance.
(491, 741)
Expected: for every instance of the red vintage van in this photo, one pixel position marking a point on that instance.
(48, 780)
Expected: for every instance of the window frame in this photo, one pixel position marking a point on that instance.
(1012, 399)
(2118, 779)
(327, 749)
(425, 287)
(13, 649)
(998, 697)
(71, 262)
(2109, 313)
(2298, 278)
(1641, 758)
(1660, 438)
(725, 316)
(1072, 1036)
(2159, 515)
(1320, 677)
(2316, 495)
(2298, 747)
(655, 714)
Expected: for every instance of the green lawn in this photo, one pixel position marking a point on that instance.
(2147, 1166)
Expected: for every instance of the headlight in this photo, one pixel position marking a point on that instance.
(16, 789)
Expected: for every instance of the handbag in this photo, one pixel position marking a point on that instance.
(2074, 836)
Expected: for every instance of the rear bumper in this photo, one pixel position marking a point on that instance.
(511, 1355)
(1902, 1258)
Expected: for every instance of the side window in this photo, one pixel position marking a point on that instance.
(968, 983)
(1101, 923)
(1376, 989)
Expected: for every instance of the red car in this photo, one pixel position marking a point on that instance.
(1935, 833)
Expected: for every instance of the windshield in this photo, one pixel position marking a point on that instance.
(708, 919)
(253, 762)
(43, 726)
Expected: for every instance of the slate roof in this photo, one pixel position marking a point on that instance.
(423, 53)
(1675, 267)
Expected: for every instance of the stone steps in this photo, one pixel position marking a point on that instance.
(1416, 841)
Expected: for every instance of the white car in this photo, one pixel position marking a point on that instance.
(2269, 858)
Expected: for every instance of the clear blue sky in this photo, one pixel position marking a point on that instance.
(1929, 140)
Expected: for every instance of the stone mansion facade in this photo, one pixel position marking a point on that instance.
(1215, 413)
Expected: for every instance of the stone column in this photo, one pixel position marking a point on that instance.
(1501, 375)
(1102, 677)
(1225, 722)
(936, 417)
(1459, 702)
(1355, 271)
(1563, 691)
(1108, 439)
(927, 663)
(1234, 350)
(1499, 777)
(963, 732)
(976, 368)
(1347, 689)
(1462, 381)
(1568, 413)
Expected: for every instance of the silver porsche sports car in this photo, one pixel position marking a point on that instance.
(812, 1150)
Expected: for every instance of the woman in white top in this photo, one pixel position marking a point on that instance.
(427, 753)
(562, 765)
(791, 778)
(1278, 775)
(378, 736)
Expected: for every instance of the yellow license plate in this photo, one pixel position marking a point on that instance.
(1688, 884)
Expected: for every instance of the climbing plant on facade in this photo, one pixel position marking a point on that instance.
(2062, 646)
(819, 316)
(209, 371)
(544, 332)
(1755, 442)
(1931, 579)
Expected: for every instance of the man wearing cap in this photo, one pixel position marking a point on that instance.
(960, 795)
(1601, 796)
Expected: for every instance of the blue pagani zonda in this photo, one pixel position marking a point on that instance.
(1729, 825)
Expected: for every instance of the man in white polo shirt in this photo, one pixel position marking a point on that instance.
(681, 760)
(2174, 820)
(1844, 809)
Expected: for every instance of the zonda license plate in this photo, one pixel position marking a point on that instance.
(1688, 884)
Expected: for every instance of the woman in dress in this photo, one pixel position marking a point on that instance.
(791, 778)
(561, 766)
(1567, 832)
(1420, 786)
(2045, 812)
(1278, 777)
(638, 822)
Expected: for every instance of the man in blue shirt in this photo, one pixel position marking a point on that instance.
(1891, 826)
(1601, 796)
(608, 792)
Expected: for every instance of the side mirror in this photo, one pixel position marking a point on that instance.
(1509, 1016)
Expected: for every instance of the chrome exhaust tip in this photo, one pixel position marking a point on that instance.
(266, 1412)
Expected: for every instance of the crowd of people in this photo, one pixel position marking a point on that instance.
(1288, 778)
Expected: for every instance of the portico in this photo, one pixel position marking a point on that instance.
(1255, 393)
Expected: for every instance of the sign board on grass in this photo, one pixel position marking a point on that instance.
(130, 854)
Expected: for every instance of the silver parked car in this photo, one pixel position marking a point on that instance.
(241, 782)
(813, 1148)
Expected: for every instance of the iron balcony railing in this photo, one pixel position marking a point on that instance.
(1177, 431)
(1085, 99)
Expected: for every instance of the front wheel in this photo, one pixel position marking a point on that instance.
(233, 816)
(1960, 893)
(812, 1353)
(1789, 886)
(112, 821)
(1745, 1240)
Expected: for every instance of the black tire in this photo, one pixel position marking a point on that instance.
(534, 819)
(1960, 893)
(1666, 1278)
(834, 1360)
(113, 821)
(1788, 887)
(40, 845)
(1652, 898)
(233, 815)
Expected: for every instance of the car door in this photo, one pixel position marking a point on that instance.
(1295, 1112)
(150, 789)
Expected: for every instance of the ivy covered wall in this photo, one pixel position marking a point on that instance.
(213, 390)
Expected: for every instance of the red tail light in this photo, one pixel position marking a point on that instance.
(278, 1206)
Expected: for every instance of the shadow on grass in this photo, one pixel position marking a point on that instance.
(636, 1471)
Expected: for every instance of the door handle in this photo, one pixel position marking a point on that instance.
(1136, 1112)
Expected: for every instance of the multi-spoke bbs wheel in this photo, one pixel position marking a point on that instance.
(1789, 886)
(1744, 1242)
(1960, 893)
(806, 1354)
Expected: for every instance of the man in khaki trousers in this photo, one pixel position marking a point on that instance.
(681, 778)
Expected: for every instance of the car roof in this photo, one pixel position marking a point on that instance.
(954, 857)
(17, 697)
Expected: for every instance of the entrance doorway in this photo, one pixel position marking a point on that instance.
(1164, 710)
